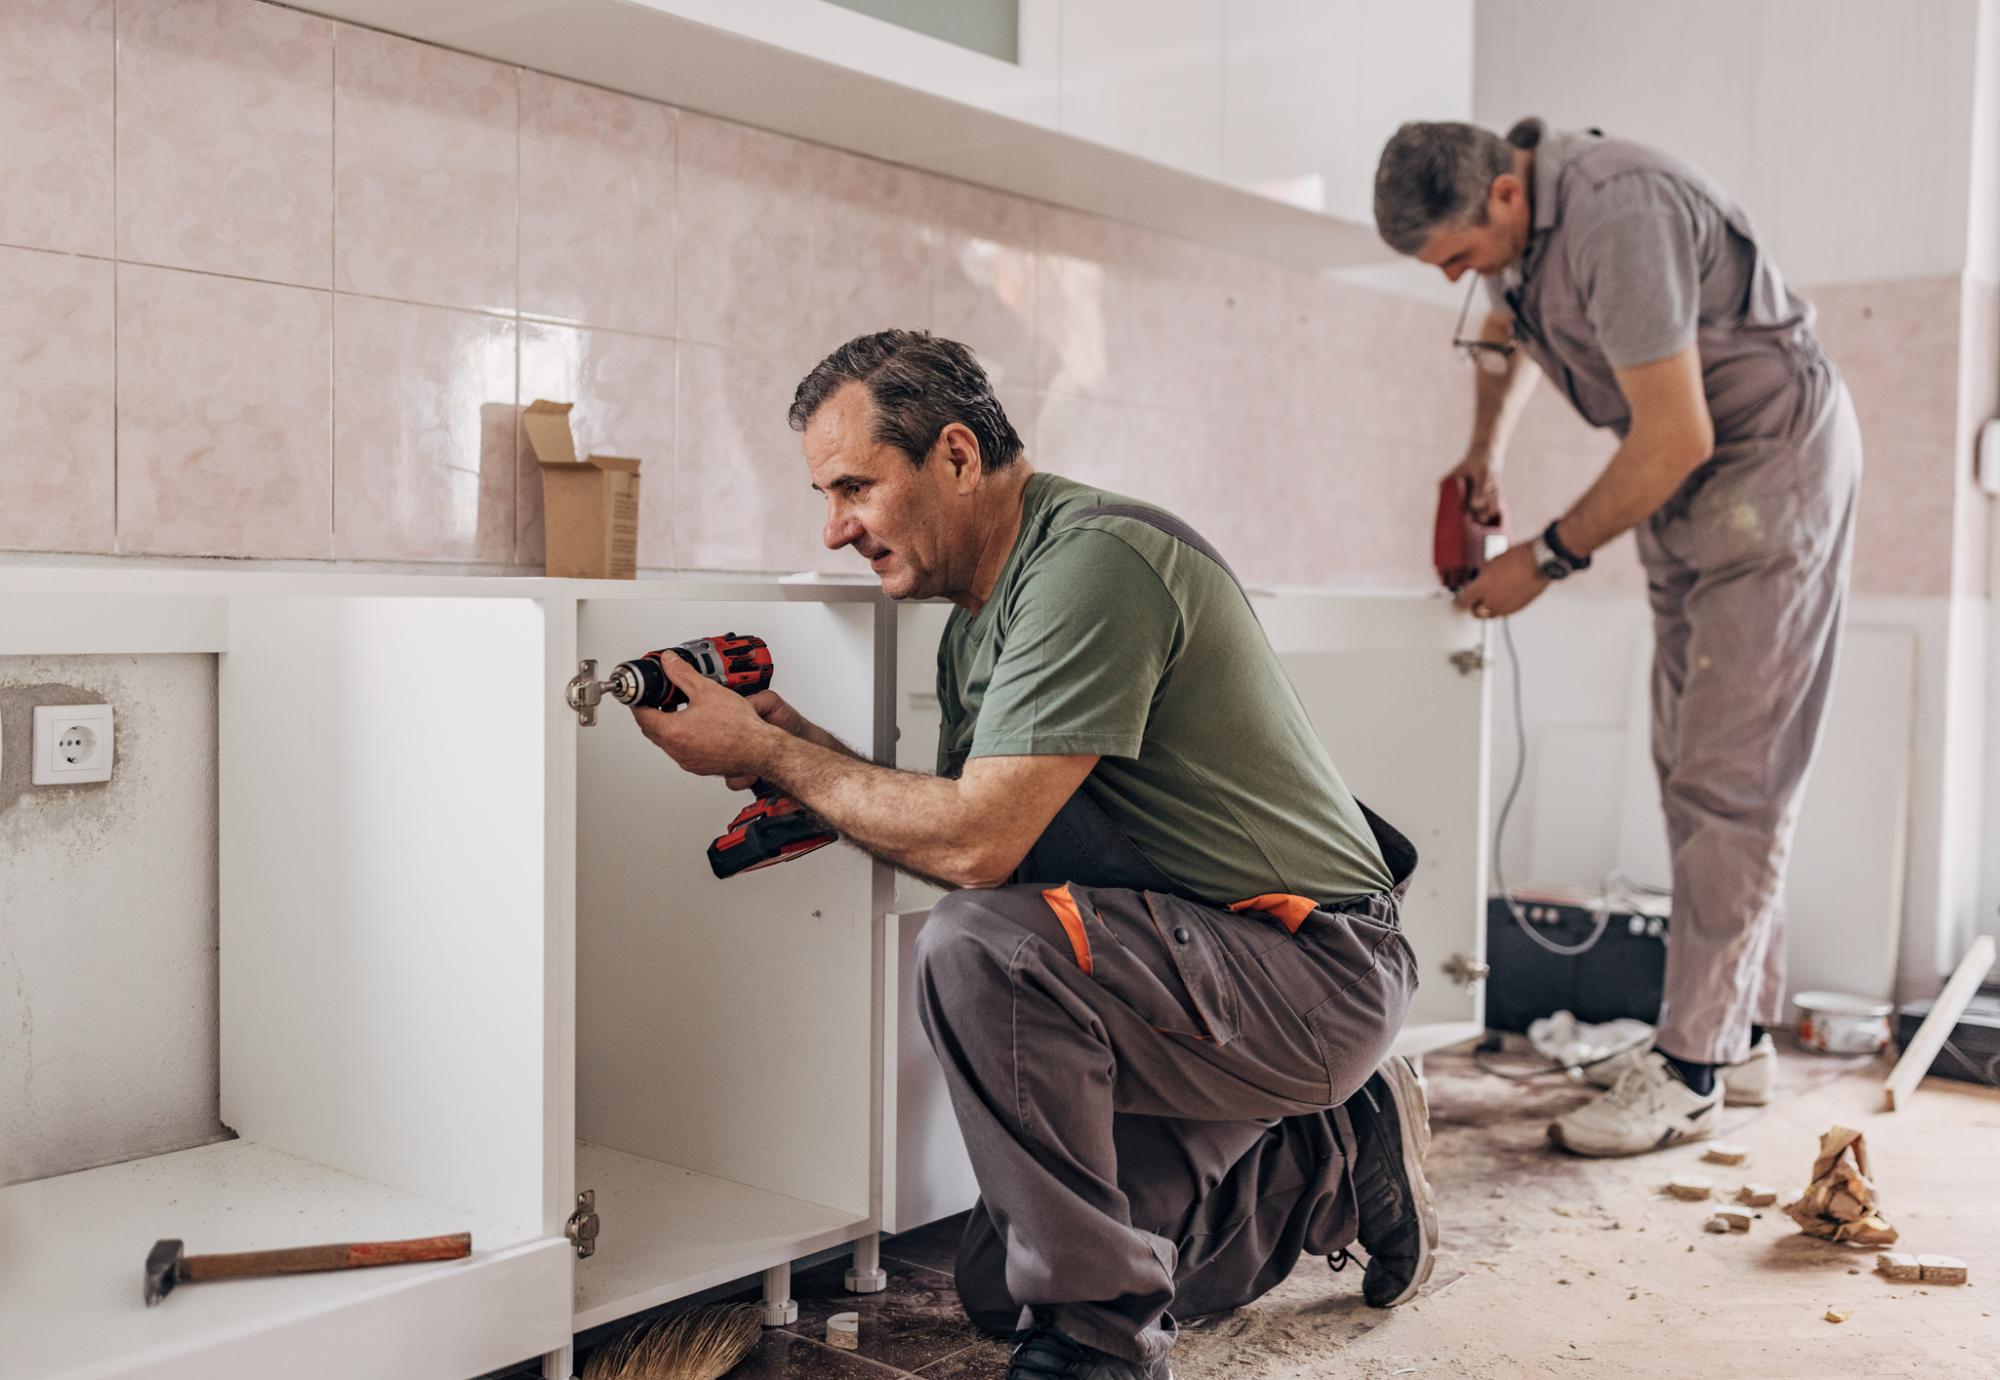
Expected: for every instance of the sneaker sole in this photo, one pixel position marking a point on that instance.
(1413, 1124)
(1668, 1143)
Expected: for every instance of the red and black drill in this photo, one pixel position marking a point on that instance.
(772, 828)
(1463, 543)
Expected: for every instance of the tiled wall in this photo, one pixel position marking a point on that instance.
(272, 286)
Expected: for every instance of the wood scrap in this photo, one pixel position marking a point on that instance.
(1899, 1267)
(1937, 1027)
(1942, 1269)
(1840, 1203)
(1757, 1195)
(1724, 1152)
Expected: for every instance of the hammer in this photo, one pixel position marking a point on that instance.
(167, 1264)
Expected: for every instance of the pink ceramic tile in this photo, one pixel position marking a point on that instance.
(870, 247)
(1173, 339)
(1903, 536)
(597, 206)
(1895, 343)
(56, 357)
(425, 153)
(744, 241)
(55, 124)
(1268, 366)
(983, 278)
(1086, 439)
(423, 449)
(224, 416)
(225, 139)
(1083, 292)
(623, 390)
(744, 496)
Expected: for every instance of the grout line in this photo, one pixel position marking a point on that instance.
(116, 419)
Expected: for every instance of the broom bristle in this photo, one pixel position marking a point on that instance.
(700, 1344)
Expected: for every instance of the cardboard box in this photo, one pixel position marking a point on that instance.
(590, 507)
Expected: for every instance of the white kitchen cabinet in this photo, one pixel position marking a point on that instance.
(1397, 687)
(1146, 78)
(1312, 89)
(473, 963)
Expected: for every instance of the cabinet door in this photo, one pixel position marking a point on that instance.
(1145, 77)
(1396, 687)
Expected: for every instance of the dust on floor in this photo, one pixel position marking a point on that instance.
(1557, 1266)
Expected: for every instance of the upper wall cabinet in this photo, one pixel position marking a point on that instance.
(1252, 124)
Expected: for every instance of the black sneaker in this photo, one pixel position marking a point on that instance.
(1399, 1226)
(1043, 1353)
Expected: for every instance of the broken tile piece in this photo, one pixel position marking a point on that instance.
(1898, 1266)
(1724, 1152)
(1691, 1187)
(1757, 1195)
(1838, 1315)
(1942, 1269)
(1716, 1225)
(1736, 1219)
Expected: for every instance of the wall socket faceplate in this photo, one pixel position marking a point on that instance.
(72, 744)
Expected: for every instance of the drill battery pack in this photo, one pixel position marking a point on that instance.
(771, 829)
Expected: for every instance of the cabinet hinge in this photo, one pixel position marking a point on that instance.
(1465, 970)
(583, 693)
(583, 1224)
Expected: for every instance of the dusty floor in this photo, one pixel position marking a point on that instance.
(1553, 1266)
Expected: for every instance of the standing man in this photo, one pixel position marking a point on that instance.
(1638, 286)
(1165, 990)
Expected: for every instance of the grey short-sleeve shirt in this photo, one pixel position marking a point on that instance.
(1634, 256)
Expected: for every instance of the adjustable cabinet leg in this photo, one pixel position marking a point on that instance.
(560, 1365)
(779, 1305)
(867, 1276)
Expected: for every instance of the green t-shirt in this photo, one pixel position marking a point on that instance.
(1106, 635)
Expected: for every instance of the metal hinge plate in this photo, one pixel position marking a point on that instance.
(583, 1224)
(1465, 970)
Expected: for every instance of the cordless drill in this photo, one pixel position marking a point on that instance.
(1463, 543)
(772, 828)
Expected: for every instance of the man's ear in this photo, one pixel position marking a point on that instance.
(1507, 191)
(958, 449)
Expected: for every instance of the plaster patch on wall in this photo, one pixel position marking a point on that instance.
(108, 907)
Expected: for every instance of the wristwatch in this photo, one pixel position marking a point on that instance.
(1554, 560)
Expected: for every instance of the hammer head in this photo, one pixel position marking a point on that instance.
(163, 1264)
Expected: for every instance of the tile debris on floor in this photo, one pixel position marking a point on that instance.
(1555, 1266)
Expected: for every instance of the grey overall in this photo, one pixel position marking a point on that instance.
(1747, 565)
(1150, 1086)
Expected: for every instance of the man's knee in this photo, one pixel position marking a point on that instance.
(963, 942)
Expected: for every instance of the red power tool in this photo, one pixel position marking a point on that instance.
(773, 828)
(1464, 543)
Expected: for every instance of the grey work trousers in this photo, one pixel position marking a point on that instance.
(1149, 1090)
(1747, 576)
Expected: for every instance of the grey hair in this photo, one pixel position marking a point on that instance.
(1433, 175)
(920, 384)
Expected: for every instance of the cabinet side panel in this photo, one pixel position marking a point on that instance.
(382, 805)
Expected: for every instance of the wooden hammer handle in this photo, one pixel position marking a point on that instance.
(304, 1259)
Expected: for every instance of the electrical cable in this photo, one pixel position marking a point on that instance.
(1506, 808)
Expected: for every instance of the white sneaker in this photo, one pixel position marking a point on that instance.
(1648, 1108)
(1747, 1084)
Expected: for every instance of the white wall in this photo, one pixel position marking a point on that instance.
(1983, 251)
(1844, 126)
(108, 921)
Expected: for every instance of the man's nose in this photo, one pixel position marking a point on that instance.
(841, 531)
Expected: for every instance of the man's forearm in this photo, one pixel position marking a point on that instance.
(1643, 473)
(912, 820)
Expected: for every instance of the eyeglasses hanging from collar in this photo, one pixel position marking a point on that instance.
(1488, 356)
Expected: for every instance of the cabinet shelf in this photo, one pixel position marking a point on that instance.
(669, 1232)
(72, 1253)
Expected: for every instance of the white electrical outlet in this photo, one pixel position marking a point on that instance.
(72, 744)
